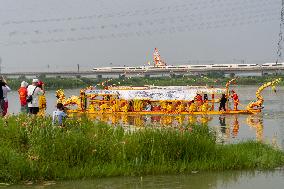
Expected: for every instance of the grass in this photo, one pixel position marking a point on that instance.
(32, 149)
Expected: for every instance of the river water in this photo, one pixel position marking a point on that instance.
(208, 180)
(267, 127)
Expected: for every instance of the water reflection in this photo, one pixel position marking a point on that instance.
(152, 120)
(224, 130)
(236, 126)
(228, 127)
(257, 123)
(202, 180)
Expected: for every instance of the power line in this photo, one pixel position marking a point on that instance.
(143, 32)
(235, 15)
(231, 6)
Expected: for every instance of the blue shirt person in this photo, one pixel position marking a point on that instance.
(58, 115)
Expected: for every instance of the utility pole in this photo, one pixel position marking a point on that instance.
(78, 68)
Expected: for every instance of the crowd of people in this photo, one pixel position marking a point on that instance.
(32, 97)
(32, 100)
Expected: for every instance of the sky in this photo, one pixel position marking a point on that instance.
(53, 35)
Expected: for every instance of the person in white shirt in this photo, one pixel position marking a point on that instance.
(34, 91)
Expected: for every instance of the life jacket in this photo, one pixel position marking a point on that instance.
(23, 93)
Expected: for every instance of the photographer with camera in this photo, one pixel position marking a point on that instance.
(33, 95)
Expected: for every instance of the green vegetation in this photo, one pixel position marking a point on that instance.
(52, 83)
(212, 79)
(32, 149)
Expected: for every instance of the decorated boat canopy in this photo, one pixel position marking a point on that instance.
(159, 93)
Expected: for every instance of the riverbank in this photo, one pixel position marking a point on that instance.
(32, 149)
(71, 83)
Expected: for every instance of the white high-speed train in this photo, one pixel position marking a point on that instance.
(192, 67)
(273, 65)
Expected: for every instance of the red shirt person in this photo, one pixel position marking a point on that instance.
(23, 93)
(236, 100)
(198, 99)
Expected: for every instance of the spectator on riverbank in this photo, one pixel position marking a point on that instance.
(58, 115)
(5, 90)
(2, 102)
(23, 93)
(34, 91)
(41, 100)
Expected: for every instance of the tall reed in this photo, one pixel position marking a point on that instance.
(32, 149)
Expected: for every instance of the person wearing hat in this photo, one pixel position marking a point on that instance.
(236, 100)
(23, 94)
(33, 96)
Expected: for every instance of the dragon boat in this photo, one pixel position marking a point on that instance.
(156, 100)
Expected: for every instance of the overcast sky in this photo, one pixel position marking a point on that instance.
(59, 34)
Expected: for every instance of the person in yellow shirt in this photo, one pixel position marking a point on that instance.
(179, 107)
(192, 107)
(103, 107)
(205, 106)
(41, 100)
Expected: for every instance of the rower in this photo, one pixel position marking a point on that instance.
(236, 100)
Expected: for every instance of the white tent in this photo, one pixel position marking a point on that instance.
(160, 93)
